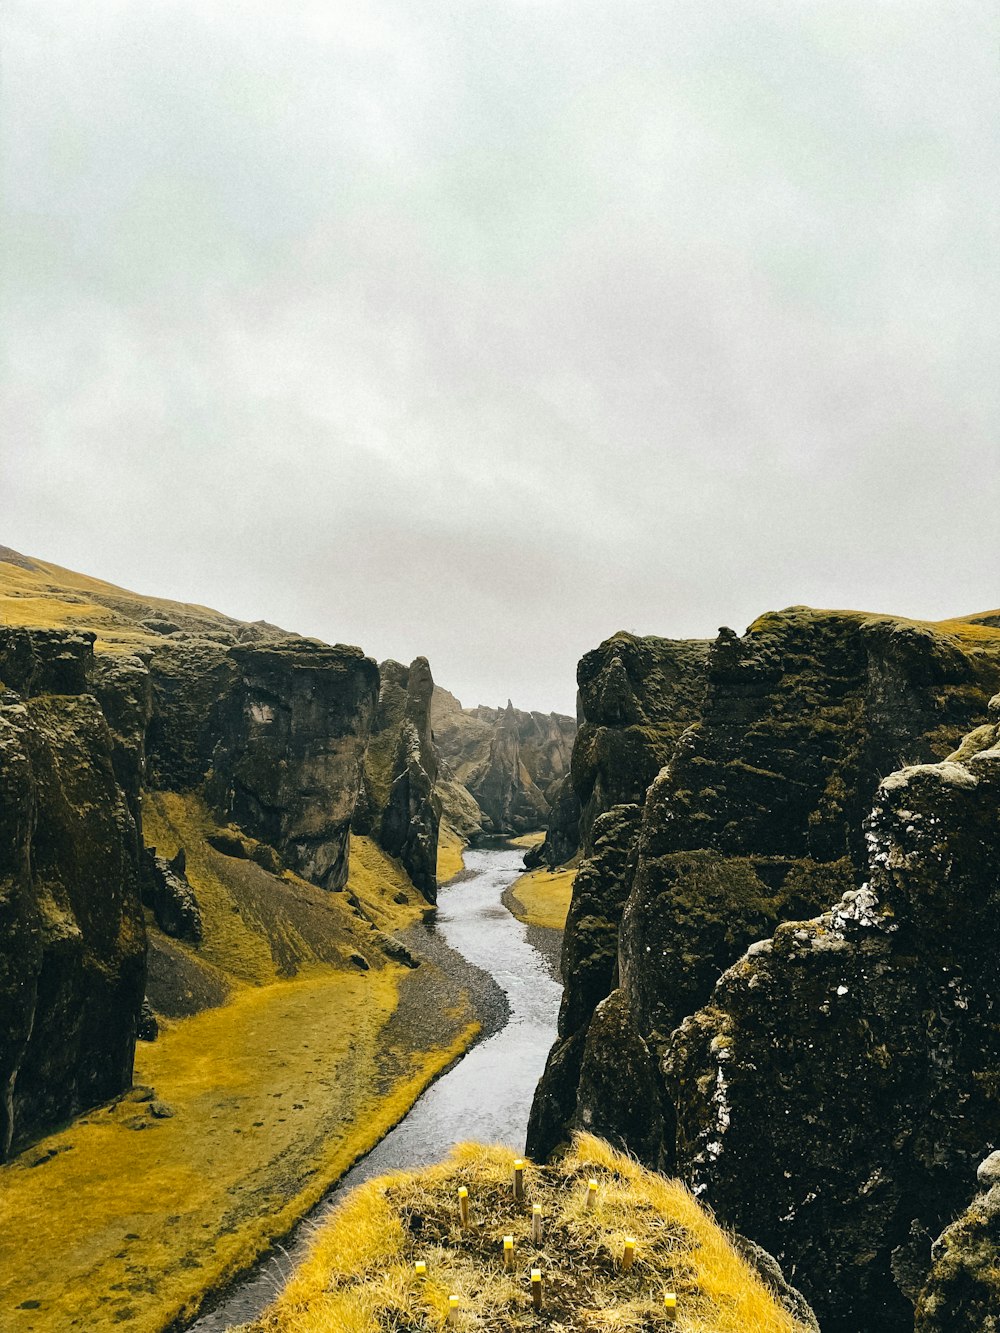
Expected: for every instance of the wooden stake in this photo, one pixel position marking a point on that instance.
(453, 1304)
(536, 1288)
(508, 1254)
(628, 1254)
(463, 1206)
(591, 1195)
(519, 1179)
(420, 1268)
(536, 1224)
(670, 1307)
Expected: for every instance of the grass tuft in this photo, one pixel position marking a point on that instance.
(359, 1273)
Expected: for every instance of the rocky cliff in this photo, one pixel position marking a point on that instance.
(399, 805)
(863, 1046)
(508, 760)
(72, 939)
(962, 1292)
(756, 819)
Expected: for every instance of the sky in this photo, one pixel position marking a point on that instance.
(484, 330)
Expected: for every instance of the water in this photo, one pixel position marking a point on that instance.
(486, 1096)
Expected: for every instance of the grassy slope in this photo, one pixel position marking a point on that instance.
(275, 1090)
(542, 896)
(274, 1094)
(37, 593)
(359, 1275)
(450, 861)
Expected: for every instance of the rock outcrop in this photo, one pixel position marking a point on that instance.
(962, 1293)
(863, 1048)
(400, 806)
(757, 819)
(287, 767)
(636, 697)
(757, 816)
(72, 939)
(508, 760)
(165, 889)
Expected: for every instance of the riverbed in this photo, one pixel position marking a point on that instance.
(486, 1096)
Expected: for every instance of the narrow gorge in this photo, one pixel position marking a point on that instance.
(259, 893)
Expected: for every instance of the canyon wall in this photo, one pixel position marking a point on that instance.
(72, 937)
(758, 818)
(399, 805)
(509, 761)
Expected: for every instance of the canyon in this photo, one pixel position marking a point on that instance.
(220, 849)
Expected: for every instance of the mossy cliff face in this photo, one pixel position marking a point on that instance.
(589, 968)
(72, 939)
(636, 697)
(962, 1293)
(293, 731)
(756, 818)
(508, 761)
(835, 1095)
(399, 806)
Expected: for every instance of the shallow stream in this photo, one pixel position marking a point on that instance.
(485, 1096)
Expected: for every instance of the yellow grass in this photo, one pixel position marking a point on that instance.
(275, 1093)
(959, 627)
(274, 1096)
(450, 861)
(542, 897)
(527, 840)
(359, 1273)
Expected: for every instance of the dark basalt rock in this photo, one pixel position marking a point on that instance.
(562, 834)
(636, 697)
(400, 806)
(589, 966)
(166, 890)
(962, 1290)
(72, 938)
(287, 767)
(756, 817)
(833, 1098)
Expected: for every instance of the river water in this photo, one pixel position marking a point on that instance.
(486, 1096)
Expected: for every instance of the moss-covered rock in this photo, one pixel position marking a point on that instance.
(406, 813)
(636, 697)
(834, 1096)
(292, 736)
(962, 1293)
(72, 939)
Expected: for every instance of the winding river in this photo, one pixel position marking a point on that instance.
(485, 1096)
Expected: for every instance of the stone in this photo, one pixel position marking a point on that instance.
(171, 897)
(72, 936)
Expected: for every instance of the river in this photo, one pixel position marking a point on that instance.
(486, 1096)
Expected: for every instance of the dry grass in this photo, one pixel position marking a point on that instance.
(542, 897)
(450, 861)
(359, 1276)
(133, 1218)
(527, 840)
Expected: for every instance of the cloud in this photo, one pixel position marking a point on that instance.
(484, 330)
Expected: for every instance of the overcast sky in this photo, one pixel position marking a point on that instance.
(482, 330)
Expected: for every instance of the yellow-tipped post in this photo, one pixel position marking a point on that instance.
(508, 1254)
(628, 1254)
(536, 1288)
(463, 1206)
(536, 1224)
(591, 1195)
(453, 1307)
(519, 1179)
(420, 1268)
(670, 1307)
